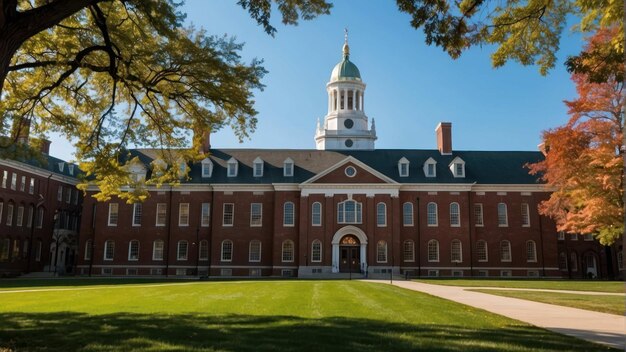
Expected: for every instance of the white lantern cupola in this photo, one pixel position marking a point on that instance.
(345, 125)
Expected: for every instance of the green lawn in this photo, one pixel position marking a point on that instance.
(258, 316)
(599, 286)
(604, 304)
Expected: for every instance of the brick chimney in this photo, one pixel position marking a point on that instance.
(205, 142)
(444, 138)
(22, 130)
(44, 146)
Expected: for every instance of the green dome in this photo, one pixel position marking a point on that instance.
(345, 70)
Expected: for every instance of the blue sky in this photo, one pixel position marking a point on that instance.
(410, 86)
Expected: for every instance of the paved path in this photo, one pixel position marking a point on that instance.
(590, 293)
(607, 329)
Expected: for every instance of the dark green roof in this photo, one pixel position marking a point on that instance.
(345, 70)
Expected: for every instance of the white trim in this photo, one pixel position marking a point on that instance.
(242, 266)
(357, 162)
(39, 172)
(368, 189)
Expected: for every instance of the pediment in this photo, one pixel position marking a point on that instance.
(340, 173)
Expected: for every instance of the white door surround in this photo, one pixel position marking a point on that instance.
(349, 230)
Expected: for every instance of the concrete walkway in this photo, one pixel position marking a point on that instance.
(590, 293)
(607, 329)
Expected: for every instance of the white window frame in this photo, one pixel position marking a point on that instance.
(455, 165)
(205, 215)
(381, 251)
(342, 212)
(257, 167)
(432, 259)
(318, 221)
(9, 214)
(130, 250)
(161, 209)
(19, 219)
(60, 193)
(429, 215)
(313, 250)
(137, 213)
(288, 254)
(427, 164)
(23, 183)
(183, 214)
(588, 237)
(503, 254)
(531, 251)
(525, 209)
(503, 217)
(561, 236)
(479, 219)
(203, 250)
(5, 177)
(40, 215)
(114, 214)
(256, 215)
(407, 214)
(291, 214)
(232, 167)
(31, 186)
(108, 243)
(222, 252)
(231, 214)
(381, 218)
(402, 163)
(411, 251)
(88, 250)
(478, 251)
(288, 166)
(207, 168)
(157, 252)
(455, 216)
(182, 256)
(14, 181)
(250, 251)
(453, 251)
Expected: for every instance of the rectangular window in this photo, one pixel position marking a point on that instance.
(40, 218)
(38, 251)
(60, 193)
(204, 250)
(13, 181)
(23, 184)
(478, 215)
(255, 251)
(232, 170)
(76, 197)
(525, 215)
(68, 195)
(404, 169)
(20, 216)
(183, 214)
(561, 236)
(88, 250)
(181, 253)
(5, 176)
(109, 250)
(9, 214)
(588, 237)
(133, 250)
(137, 211)
(113, 214)
(288, 169)
(206, 169)
(256, 214)
(157, 250)
(228, 218)
(161, 214)
(316, 214)
(431, 169)
(31, 186)
(455, 215)
(407, 214)
(503, 220)
(258, 169)
(288, 214)
(205, 215)
(573, 237)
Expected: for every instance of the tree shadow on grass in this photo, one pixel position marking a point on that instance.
(69, 331)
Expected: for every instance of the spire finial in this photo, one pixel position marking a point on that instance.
(346, 48)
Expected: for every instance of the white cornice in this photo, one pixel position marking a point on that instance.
(355, 161)
(473, 187)
(38, 171)
(286, 186)
(369, 189)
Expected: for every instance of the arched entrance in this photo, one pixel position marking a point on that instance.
(349, 250)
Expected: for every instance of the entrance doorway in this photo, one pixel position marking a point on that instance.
(349, 255)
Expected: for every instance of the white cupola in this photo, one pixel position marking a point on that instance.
(345, 125)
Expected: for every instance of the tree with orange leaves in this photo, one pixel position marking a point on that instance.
(584, 159)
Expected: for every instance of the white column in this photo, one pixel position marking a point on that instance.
(336, 99)
(335, 262)
(330, 101)
(363, 256)
(362, 100)
(344, 106)
(354, 99)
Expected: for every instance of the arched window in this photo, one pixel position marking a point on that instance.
(109, 250)
(505, 251)
(203, 253)
(455, 214)
(407, 214)
(573, 261)
(254, 254)
(456, 251)
(133, 250)
(181, 250)
(227, 250)
(409, 251)
(88, 250)
(381, 214)
(503, 220)
(531, 251)
(316, 214)
(288, 251)
(288, 217)
(381, 252)
(349, 212)
(563, 261)
(431, 214)
(316, 251)
(157, 250)
(433, 251)
(481, 251)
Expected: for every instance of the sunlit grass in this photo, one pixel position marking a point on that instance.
(259, 316)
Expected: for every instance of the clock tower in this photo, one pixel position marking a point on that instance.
(345, 126)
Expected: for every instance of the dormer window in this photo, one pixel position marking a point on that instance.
(70, 168)
(258, 167)
(288, 168)
(182, 168)
(233, 167)
(403, 167)
(430, 168)
(457, 166)
(158, 167)
(61, 167)
(207, 168)
(137, 171)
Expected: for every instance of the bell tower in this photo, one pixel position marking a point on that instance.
(345, 127)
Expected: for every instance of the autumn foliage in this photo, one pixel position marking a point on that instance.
(584, 161)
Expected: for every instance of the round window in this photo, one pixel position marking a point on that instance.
(350, 171)
(348, 123)
(349, 143)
